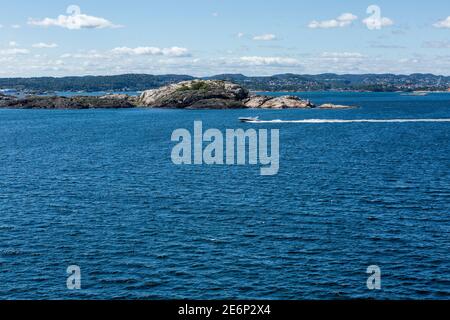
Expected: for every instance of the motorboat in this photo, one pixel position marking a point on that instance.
(248, 119)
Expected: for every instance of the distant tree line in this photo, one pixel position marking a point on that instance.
(126, 82)
(282, 82)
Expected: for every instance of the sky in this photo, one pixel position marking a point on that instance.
(207, 37)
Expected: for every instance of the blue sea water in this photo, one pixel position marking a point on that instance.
(97, 189)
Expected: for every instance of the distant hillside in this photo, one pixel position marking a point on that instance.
(330, 81)
(126, 82)
(281, 82)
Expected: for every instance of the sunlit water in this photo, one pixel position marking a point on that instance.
(97, 188)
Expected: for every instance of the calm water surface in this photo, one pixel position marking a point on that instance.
(97, 188)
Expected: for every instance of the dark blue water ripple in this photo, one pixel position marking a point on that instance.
(97, 189)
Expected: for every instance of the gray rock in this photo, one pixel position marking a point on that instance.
(116, 96)
(284, 102)
(6, 100)
(216, 104)
(196, 94)
(256, 101)
(55, 102)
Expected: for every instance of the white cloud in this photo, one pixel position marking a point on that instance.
(443, 23)
(13, 51)
(16, 26)
(265, 37)
(377, 23)
(87, 55)
(343, 20)
(347, 18)
(215, 14)
(105, 63)
(269, 61)
(43, 45)
(153, 51)
(240, 35)
(75, 21)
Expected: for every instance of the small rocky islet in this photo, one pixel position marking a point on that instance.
(194, 94)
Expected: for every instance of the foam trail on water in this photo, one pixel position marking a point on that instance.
(313, 121)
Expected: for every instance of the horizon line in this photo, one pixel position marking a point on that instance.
(230, 74)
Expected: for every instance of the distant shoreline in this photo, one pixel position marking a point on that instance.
(137, 93)
(329, 82)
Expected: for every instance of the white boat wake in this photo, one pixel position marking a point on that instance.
(314, 121)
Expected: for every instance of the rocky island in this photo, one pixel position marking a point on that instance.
(75, 102)
(193, 94)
